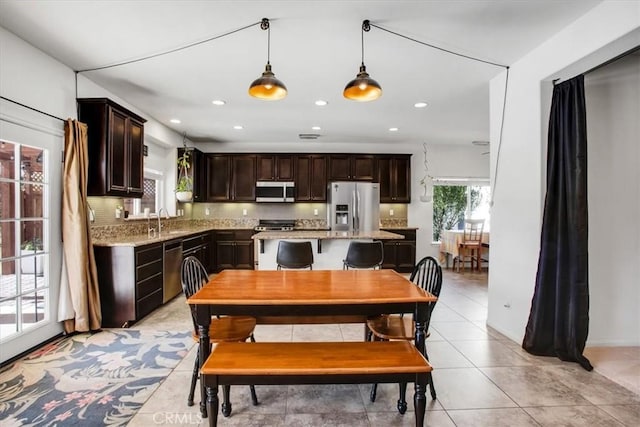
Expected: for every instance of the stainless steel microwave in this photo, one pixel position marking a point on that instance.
(275, 192)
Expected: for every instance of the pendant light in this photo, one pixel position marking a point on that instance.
(267, 87)
(363, 88)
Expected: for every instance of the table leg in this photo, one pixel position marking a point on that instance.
(204, 322)
(420, 401)
(212, 405)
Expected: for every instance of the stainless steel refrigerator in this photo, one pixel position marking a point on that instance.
(353, 206)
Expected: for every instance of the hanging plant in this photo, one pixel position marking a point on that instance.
(184, 186)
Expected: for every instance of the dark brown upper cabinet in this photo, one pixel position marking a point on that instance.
(243, 178)
(230, 178)
(351, 167)
(116, 137)
(217, 173)
(394, 176)
(311, 178)
(275, 167)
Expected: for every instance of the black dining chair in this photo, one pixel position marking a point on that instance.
(223, 328)
(295, 255)
(364, 255)
(427, 274)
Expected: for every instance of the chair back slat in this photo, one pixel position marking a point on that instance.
(427, 274)
(193, 276)
(473, 230)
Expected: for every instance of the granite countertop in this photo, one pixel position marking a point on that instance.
(326, 234)
(142, 239)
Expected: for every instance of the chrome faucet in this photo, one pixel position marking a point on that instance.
(166, 215)
(151, 232)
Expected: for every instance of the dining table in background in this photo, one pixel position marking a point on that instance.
(450, 241)
(304, 293)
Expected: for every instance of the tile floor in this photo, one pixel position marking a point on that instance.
(482, 378)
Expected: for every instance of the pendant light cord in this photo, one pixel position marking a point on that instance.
(177, 49)
(436, 47)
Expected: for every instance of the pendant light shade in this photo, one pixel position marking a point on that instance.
(267, 87)
(363, 88)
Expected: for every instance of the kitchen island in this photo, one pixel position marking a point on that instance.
(329, 247)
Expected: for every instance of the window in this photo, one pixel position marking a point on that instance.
(457, 199)
(24, 286)
(151, 197)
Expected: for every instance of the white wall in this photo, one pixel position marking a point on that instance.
(604, 32)
(613, 130)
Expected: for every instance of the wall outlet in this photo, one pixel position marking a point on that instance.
(244, 212)
(207, 211)
(390, 212)
(315, 212)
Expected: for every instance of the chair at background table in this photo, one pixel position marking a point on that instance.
(471, 246)
(224, 328)
(295, 255)
(364, 255)
(427, 274)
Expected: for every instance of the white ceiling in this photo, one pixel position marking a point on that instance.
(315, 51)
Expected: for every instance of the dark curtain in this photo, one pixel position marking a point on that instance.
(559, 319)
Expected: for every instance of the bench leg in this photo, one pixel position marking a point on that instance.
(374, 390)
(226, 401)
(420, 403)
(431, 387)
(212, 405)
(402, 401)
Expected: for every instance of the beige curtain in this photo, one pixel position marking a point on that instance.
(79, 305)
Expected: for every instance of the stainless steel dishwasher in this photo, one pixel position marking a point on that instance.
(171, 285)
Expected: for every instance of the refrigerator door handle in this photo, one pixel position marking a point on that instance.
(357, 210)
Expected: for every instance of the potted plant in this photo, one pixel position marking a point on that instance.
(184, 186)
(31, 265)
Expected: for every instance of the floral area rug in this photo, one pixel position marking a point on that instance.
(89, 380)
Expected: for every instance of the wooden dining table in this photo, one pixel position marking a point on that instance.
(319, 293)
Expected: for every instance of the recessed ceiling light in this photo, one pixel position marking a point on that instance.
(315, 127)
(218, 102)
(321, 102)
(176, 121)
(238, 127)
(393, 129)
(420, 104)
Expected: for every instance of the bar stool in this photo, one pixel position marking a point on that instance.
(296, 255)
(364, 255)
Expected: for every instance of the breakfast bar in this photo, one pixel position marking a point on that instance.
(329, 247)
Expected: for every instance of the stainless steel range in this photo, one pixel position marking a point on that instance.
(275, 225)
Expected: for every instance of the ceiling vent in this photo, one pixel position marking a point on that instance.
(309, 135)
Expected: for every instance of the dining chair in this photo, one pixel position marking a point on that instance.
(295, 255)
(364, 255)
(471, 246)
(427, 274)
(223, 328)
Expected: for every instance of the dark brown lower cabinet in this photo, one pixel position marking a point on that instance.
(130, 281)
(233, 250)
(200, 247)
(400, 255)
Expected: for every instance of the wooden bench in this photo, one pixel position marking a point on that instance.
(241, 363)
